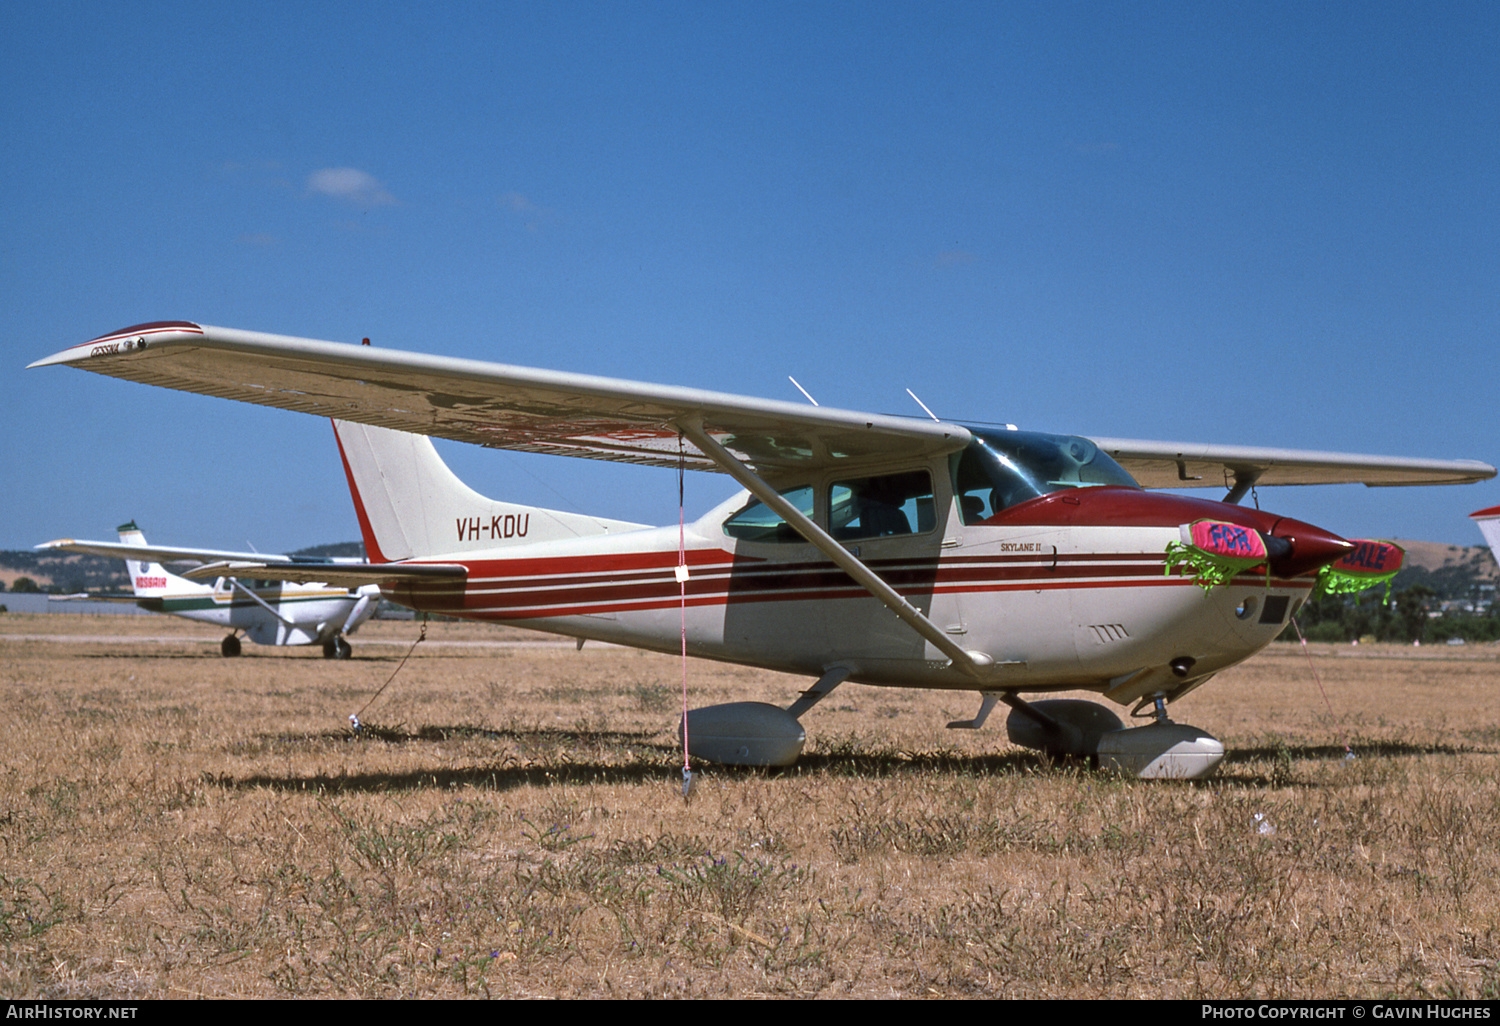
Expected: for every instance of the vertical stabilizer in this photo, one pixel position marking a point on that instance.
(151, 580)
(411, 506)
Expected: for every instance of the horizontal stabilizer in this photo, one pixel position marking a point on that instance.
(342, 575)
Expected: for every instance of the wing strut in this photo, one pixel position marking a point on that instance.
(971, 663)
(1244, 480)
(237, 586)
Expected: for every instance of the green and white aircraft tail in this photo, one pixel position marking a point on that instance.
(151, 580)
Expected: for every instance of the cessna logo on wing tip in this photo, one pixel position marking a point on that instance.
(110, 348)
(509, 525)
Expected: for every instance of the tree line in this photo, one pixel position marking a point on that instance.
(1411, 615)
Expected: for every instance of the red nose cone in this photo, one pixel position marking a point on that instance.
(1312, 548)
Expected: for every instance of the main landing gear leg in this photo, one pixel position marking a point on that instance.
(819, 691)
(754, 733)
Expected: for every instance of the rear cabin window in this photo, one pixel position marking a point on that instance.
(883, 506)
(758, 522)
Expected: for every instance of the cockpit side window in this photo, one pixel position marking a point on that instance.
(1000, 469)
(882, 506)
(758, 522)
(974, 482)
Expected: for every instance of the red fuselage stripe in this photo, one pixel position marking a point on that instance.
(504, 589)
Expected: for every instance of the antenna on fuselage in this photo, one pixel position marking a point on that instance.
(802, 390)
(921, 404)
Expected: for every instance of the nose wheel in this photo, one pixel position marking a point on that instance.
(337, 648)
(1161, 750)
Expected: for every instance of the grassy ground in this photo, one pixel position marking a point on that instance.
(176, 824)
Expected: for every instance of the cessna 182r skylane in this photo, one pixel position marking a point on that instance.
(870, 548)
(265, 610)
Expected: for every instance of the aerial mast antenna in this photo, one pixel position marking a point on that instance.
(802, 390)
(921, 404)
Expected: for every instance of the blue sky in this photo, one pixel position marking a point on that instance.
(1261, 224)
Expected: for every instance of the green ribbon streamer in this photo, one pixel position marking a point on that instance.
(1207, 570)
(1341, 582)
(1210, 571)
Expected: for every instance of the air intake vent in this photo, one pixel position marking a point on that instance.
(1275, 609)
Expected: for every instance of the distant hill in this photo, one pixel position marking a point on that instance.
(1453, 571)
(68, 572)
(63, 572)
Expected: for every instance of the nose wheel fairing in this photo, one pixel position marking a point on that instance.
(1161, 751)
(1079, 729)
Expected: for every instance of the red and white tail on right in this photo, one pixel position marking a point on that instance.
(1488, 521)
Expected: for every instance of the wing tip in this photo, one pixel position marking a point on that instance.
(118, 342)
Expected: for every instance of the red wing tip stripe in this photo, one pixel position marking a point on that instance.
(150, 328)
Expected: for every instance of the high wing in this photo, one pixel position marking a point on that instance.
(509, 407)
(1195, 465)
(501, 406)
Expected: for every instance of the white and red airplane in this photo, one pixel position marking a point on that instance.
(1488, 522)
(866, 548)
(264, 610)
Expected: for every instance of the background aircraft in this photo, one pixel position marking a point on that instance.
(1488, 522)
(267, 611)
(866, 548)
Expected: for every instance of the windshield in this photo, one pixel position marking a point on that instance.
(1001, 468)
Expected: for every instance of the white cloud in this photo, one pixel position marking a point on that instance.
(350, 185)
(532, 216)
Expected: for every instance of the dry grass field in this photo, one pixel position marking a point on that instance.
(176, 824)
